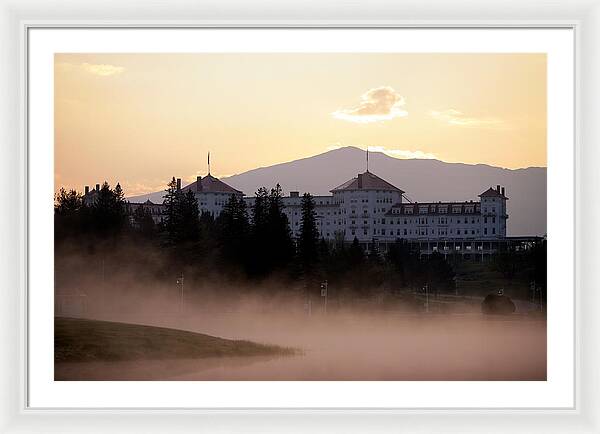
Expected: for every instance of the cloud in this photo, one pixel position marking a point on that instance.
(376, 105)
(457, 118)
(141, 187)
(102, 69)
(403, 153)
(396, 153)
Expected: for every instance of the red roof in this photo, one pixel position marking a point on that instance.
(367, 181)
(211, 184)
(491, 192)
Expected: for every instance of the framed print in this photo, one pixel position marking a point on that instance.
(302, 225)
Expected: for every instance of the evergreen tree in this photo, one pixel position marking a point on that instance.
(144, 222)
(189, 217)
(234, 231)
(107, 213)
(171, 201)
(309, 235)
(404, 262)
(280, 236)
(356, 255)
(272, 246)
(439, 275)
(68, 209)
(259, 260)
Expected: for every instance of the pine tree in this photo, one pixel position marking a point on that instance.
(309, 235)
(189, 217)
(171, 201)
(234, 231)
(68, 208)
(280, 235)
(144, 222)
(356, 255)
(259, 262)
(107, 213)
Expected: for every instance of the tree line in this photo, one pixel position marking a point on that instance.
(250, 243)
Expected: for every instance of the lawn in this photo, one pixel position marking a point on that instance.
(82, 340)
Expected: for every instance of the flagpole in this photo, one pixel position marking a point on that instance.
(209, 162)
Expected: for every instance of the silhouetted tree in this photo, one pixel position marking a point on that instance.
(234, 231)
(507, 262)
(171, 201)
(189, 217)
(144, 222)
(309, 235)
(68, 210)
(280, 236)
(439, 274)
(107, 216)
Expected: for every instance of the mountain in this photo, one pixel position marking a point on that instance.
(423, 181)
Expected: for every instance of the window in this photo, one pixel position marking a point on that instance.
(493, 230)
(484, 231)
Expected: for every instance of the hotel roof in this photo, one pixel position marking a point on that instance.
(490, 192)
(366, 181)
(210, 184)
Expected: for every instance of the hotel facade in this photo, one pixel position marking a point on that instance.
(372, 210)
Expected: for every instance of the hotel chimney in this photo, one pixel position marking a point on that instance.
(178, 183)
(97, 187)
(198, 183)
(502, 191)
(87, 189)
(360, 180)
(498, 188)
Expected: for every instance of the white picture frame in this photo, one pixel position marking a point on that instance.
(17, 18)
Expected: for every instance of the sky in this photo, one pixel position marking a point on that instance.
(140, 119)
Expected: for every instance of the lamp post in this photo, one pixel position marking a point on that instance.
(324, 294)
(180, 282)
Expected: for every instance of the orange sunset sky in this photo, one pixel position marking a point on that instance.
(142, 118)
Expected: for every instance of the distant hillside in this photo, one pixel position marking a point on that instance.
(423, 180)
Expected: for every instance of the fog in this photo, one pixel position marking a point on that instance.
(351, 341)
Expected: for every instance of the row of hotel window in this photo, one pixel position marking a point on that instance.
(420, 221)
(424, 232)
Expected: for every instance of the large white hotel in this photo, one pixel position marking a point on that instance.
(371, 209)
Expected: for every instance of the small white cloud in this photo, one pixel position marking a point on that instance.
(376, 105)
(457, 118)
(403, 153)
(396, 153)
(103, 69)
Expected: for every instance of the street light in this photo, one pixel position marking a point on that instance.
(324, 293)
(180, 282)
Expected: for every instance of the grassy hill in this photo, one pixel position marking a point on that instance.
(82, 340)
